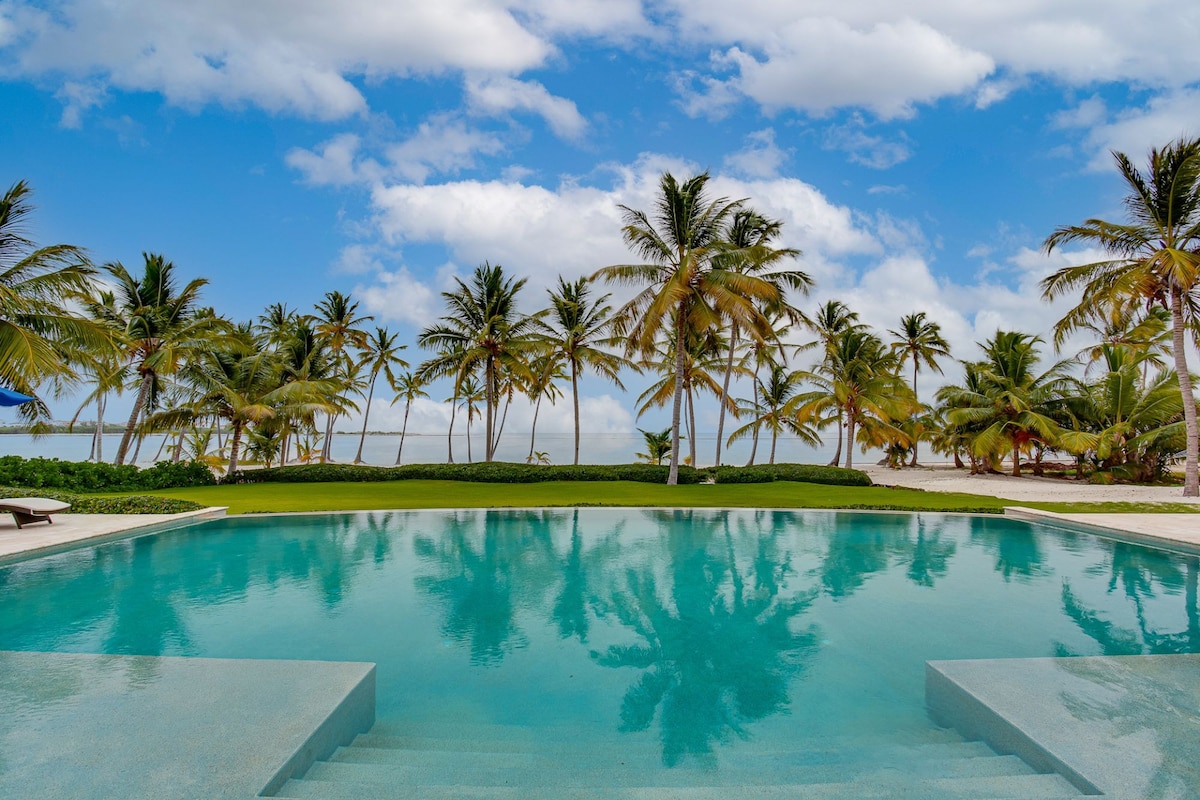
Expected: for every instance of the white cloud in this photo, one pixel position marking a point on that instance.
(400, 297)
(760, 158)
(77, 97)
(281, 55)
(1165, 117)
(441, 144)
(500, 95)
(334, 164)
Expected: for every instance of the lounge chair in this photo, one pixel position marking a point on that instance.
(32, 509)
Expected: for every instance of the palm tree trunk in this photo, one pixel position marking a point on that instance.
(691, 408)
(537, 407)
(849, 440)
(177, 456)
(235, 443)
(733, 337)
(677, 405)
(98, 439)
(757, 427)
(362, 437)
(327, 445)
(1191, 478)
(916, 440)
(403, 430)
(490, 400)
(503, 420)
(1016, 471)
(837, 454)
(575, 399)
(774, 439)
(138, 403)
(470, 459)
(158, 455)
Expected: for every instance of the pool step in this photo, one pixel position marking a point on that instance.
(1027, 787)
(440, 761)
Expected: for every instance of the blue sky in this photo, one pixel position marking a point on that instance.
(917, 152)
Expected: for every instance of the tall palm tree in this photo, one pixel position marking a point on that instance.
(921, 340)
(577, 327)
(545, 371)
(832, 319)
(750, 237)
(162, 326)
(41, 338)
(381, 354)
(1155, 259)
(482, 328)
(340, 325)
(409, 387)
(684, 289)
(775, 410)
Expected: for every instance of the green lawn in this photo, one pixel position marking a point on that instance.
(265, 497)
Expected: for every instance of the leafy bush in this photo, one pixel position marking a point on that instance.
(88, 504)
(804, 473)
(504, 472)
(493, 472)
(85, 476)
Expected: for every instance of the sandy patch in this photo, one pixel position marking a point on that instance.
(949, 479)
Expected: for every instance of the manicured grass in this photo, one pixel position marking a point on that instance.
(274, 497)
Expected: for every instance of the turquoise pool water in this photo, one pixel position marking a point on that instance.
(681, 632)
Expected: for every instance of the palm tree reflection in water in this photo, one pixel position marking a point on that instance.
(717, 648)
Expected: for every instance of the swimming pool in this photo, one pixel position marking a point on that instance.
(684, 637)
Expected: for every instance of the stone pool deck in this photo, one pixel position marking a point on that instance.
(70, 530)
(1156, 530)
(96, 727)
(1123, 726)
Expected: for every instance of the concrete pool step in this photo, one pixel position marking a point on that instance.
(732, 757)
(1025, 787)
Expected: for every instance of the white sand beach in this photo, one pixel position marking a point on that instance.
(946, 478)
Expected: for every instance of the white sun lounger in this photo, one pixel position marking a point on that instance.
(32, 509)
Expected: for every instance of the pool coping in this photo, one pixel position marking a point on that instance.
(1073, 524)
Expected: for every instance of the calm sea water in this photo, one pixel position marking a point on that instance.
(380, 449)
(680, 632)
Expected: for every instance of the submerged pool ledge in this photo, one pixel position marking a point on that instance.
(1117, 726)
(102, 726)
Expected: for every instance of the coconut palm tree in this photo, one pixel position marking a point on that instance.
(161, 327)
(1011, 406)
(658, 446)
(484, 329)
(545, 371)
(683, 289)
(750, 237)
(1155, 259)
(381, 354)
(831, 320)
(409, 387)
(921, 340)
(41, 338)
(775, 410)
(339, 324)
(577, 327)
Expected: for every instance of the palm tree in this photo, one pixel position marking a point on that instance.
(921, 340)
(776, 410)
(410, 387)
(1011, 407)
(831, 320)
(1155, 259)
(684, 289)
(161, 327)
(339, 324)
(658, 446)
(41, 338)
(380, 354)
(750, 237)
(544, 373)
(470, 394)
(483, 328)
(577, 327)
(859, 379)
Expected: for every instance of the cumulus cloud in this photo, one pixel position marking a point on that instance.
(333, 163)
(760, 158)
(876, 152)
(1135, 131)
(500, 95)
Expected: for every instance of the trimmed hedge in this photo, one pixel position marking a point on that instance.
(803, 473)
(503, 472)
(493, 472)
(86, 476)
(130, 504)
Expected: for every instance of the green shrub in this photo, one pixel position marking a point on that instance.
(493, 472)
(804, 473)
(86, 476)
(89, 504)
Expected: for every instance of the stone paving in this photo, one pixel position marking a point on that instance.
(68, 530)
